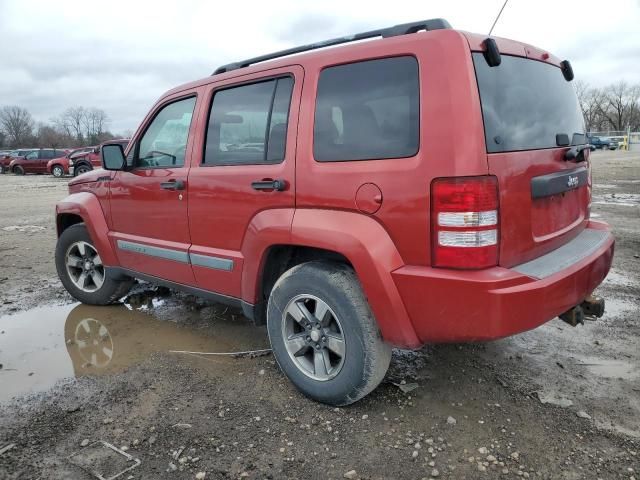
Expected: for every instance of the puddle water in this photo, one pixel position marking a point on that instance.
(610, 368)
(621, 199)
(38, 347)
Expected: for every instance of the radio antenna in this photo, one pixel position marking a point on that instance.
(498, 17)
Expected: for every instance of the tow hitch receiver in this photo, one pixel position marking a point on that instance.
(593, 306)
(591, 309)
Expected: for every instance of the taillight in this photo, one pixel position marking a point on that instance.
(464, 222)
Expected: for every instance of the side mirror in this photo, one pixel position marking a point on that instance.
(113, 157)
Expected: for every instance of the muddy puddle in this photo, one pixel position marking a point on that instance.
(618, 199)
(41, 346)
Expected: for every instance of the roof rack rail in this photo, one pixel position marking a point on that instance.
(396, 30)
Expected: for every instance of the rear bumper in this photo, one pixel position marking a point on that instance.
(452, 306)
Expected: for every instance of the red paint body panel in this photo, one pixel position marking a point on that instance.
(222, 202)
(267, 228)
(456, 306)
(87, 206)
(533, 227)
(373, 255)
(62, 161)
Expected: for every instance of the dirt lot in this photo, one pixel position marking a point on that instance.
(557, 402)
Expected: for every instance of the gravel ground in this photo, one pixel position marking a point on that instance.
(477, 411)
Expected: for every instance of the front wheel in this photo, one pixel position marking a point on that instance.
(82, 272)
(82, 169)
(57, 171)
(324, 335)
(18, 170)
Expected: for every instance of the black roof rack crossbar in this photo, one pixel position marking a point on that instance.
(402, 29)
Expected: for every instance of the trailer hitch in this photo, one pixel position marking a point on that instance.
(591, 308)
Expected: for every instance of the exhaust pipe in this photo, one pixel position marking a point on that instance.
(591, 308)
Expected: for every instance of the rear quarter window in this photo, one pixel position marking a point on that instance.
(367, 110)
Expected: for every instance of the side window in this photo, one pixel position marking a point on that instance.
(248, 124)
(32, 156)
(164, 143)
(367, 110)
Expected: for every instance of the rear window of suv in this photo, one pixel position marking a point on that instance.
(367, 110)
(525, 104)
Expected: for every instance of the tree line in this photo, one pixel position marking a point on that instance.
(75, 127)
(614, 107)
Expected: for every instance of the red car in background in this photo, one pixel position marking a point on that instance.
(59, 167)
(88, 161)
(35, 161)
(6, 160)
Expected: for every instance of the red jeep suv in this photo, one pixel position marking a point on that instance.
(430, 185)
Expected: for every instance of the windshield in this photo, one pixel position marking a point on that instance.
(525, 104)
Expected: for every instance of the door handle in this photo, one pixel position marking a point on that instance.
(173, 185)
(268, 184)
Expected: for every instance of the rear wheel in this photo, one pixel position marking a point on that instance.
(82, 168)
(18, 170)
(57, 171)
(2, 169)
(82, 272)
(323, 333)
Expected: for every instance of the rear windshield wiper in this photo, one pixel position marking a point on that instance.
(576, 152)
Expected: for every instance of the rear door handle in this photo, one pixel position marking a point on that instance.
(268, 184)
(173, 185)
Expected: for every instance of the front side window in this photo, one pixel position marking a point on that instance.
(248, 124)
(367, 110)
(164, 143)
(32, 156)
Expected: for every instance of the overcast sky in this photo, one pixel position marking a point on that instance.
(122, 55)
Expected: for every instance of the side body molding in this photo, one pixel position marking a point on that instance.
(371, 251)
(87, 206)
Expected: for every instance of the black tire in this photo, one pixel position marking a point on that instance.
(111, 289)
(18, 170)
(57, 171)
(3, 169)
(366, 355)
(82, 168)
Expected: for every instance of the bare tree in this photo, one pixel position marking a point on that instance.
(621, 105)
(17, 125)
(72, 121)
(94, 122)
(52, 136)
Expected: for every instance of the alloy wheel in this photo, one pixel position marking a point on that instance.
(313, 337)
(84, 266)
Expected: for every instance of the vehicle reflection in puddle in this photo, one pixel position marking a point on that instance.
(38, 347)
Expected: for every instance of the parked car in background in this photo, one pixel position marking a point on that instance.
(35, 161)
(88, 161)
(59, 167)
(7, 159)
(602, 143)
